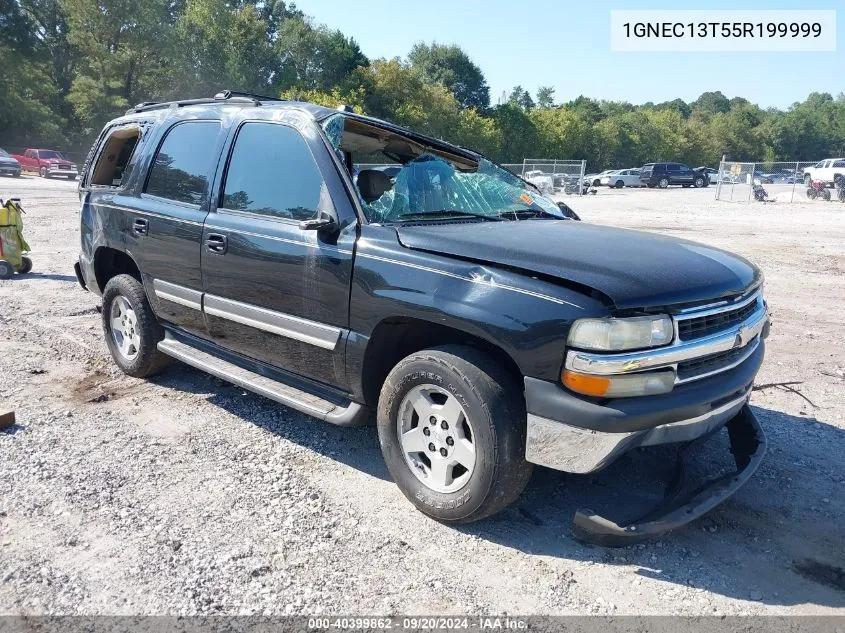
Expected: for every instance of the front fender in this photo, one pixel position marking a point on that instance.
(528, 318)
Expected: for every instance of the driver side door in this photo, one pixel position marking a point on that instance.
(275, 291)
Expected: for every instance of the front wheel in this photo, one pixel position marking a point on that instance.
(451, 424)
(826, 194)
(698, 183)
(42, 172)
(26, 265)
(131, 329)
(7, 271)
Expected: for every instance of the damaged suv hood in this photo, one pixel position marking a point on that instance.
(634, 269)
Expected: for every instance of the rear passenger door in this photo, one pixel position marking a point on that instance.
(276, 292)
(164, 223)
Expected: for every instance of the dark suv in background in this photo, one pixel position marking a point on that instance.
(664, 174)
(484, 330)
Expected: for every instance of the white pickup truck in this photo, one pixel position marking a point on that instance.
(825, 170)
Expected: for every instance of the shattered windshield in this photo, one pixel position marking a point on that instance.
(422, 185)
(430, 187)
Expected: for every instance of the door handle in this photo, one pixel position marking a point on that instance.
(216, 243)
(140, 227)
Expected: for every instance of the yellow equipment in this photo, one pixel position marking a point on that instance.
(12, 244)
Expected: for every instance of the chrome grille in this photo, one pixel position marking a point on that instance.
(713, 321)
(715, 363)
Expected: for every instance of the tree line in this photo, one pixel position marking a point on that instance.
(68, 66)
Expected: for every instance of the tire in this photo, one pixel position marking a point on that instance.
(42, 172)
(699, 182)
(26, 266)
(663, 183)
(483, 411)
(124, 299)
(811, 193)
(7, 271)
(826, 194)
(620, 184)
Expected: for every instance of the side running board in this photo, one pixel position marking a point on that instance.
(353, 414)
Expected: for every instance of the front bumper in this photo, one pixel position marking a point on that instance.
(748, 446)
(67, 173)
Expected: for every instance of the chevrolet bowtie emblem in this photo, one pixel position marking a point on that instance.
(743, 337)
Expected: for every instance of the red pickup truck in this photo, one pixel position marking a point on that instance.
(47, 163)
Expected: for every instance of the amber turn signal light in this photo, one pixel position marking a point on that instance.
(586, 384)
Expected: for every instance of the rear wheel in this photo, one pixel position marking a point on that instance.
(619, 184)
(826, 194)
(7, 271)
(451, 424)
(131, 329)
(663, 183)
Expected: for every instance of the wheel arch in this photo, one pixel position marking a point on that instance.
(396, 337)
(109, 262)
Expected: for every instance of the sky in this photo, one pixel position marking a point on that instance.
(567, 45)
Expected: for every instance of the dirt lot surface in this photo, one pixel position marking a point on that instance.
(186, 495)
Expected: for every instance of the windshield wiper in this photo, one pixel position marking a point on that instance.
(529, 213)
(449, 214)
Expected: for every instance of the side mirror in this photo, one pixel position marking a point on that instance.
(318, 224)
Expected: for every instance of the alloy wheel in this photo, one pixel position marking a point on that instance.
(436, 437)
(124, 328)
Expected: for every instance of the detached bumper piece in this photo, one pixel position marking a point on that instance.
(748, 446)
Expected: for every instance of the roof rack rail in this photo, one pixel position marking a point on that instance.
(228, 94)
(223, 97)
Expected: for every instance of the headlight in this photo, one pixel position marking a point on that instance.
(607, 335)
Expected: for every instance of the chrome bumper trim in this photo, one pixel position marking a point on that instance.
(609, 364)
(575, 450)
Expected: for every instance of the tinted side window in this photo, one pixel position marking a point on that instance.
(838, 163)
(674, 167)
(182, 167)
(660, 169)
(272, 172)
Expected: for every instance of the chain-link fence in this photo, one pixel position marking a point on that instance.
(551, 175)
(782, 181)
(548, 175)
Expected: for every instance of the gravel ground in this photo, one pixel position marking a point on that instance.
(186, 495)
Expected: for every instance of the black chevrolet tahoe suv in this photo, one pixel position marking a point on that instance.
(486, 331)
(664, 174)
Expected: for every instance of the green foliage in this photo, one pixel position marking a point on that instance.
(452, 68)
(71, 65)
